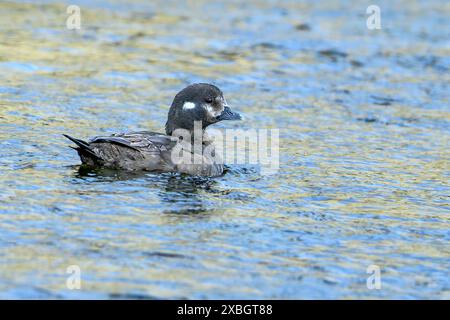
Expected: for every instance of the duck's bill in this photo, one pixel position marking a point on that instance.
(228, 114)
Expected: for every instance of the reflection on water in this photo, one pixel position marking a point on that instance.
(364, 147)
(174, 188)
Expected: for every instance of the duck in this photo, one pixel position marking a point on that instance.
(193, 109)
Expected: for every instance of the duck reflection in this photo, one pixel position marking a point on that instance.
(183, 194)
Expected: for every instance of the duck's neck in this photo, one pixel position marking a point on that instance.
(197, 134)
(200, 138)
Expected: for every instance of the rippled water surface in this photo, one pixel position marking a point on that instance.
(364, 124)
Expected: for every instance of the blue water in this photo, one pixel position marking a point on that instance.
(364, 124)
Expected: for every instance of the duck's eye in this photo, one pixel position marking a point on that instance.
(208, 100)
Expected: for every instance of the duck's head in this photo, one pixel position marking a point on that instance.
(198, 102)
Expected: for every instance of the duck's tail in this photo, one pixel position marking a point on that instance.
(85, 152)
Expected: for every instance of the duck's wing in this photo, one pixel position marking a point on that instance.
(132, 151)
(142, 141)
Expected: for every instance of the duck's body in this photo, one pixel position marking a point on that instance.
(151, 151)
(143, 150)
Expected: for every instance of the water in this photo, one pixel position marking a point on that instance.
(364, 149)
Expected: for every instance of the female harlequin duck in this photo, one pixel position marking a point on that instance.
(196, 106)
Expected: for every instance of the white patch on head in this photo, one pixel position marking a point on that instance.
(188, 105)
(212, 111)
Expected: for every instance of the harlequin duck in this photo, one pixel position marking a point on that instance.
(196, 106)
